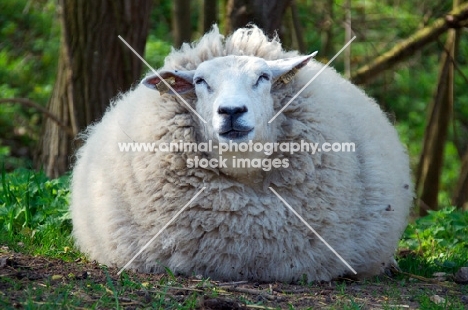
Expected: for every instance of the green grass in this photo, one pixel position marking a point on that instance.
(438, 241)
(34, 215)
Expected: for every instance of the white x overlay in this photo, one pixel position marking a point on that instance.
(313, 230)
(162, 80)
(311, 80)
(161, 230)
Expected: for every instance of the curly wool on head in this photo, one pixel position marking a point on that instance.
(244, 42)
(237, 228)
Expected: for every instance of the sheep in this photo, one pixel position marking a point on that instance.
(237, 228)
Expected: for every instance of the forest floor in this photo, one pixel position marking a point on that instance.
(28, 282)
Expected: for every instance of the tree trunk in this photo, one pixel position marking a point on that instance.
(267, 15)
(181, 26)
(297, 28)
(94, 65)
(456, 18)
(432, 156)
(208, 15)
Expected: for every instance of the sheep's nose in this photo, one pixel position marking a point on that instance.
(232, 110)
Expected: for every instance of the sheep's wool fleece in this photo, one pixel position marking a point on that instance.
(358, 202)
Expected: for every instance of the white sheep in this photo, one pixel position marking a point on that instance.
(237, 228)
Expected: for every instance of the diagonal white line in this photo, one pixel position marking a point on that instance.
(308, 83)
(313, 230)
(159, 232)
(163, 80)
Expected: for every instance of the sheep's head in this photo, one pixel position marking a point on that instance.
(233, 94)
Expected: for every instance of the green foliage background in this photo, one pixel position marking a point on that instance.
(29, 43)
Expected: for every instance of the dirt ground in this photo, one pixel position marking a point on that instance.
(37, 282)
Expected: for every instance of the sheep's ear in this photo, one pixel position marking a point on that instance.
(283, 70)
(181, 82)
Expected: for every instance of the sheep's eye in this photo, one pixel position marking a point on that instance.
(200, 81)
(264, 76)
(261, 78)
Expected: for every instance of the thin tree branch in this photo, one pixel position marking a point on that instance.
(454, 62)
(454, 19)
(32, 104)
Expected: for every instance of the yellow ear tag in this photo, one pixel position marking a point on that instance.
(287, 77)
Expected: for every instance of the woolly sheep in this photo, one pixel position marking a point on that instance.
(237, 228)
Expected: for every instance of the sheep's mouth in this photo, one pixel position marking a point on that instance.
(234, 134)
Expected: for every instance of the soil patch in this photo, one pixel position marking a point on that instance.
(38, 282)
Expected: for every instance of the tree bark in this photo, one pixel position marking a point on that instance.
(181, 26)
(441, 109)
(94, 65)
(456, 18)
(267, 15)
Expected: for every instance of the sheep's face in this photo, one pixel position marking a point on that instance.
(233, 94)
